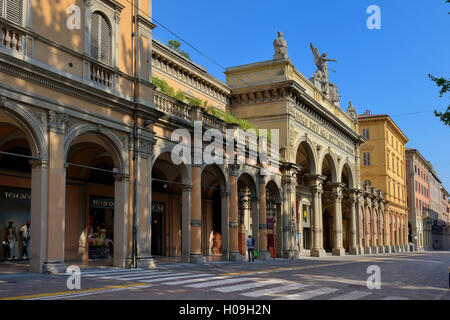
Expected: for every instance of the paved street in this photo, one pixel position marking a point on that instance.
(403, 277)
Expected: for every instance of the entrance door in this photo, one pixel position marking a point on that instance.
(157, 233)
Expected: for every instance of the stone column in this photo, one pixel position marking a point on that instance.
(375, 235)
(316, 182)
(353, 223)
(186, 223)
(405, 234)
(263, 253)
(56, 194)
(381, 227)
(367, 203)
(38, 227)
(387, 245)
(396, 238)
(196, 216)
(392, 236)
(361, 222)
(121, 218)
(225, 202)
(234, 254)
(144, 207)
(338, 249)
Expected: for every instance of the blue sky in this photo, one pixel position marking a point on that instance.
(381, 70)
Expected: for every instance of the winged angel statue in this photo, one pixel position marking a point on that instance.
(321, 74)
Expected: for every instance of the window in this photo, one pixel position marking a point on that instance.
(366, 158)
(366, 134)
(101, 38)
(11, 10)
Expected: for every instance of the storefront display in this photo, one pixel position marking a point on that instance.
(15, 206)
(100, 224)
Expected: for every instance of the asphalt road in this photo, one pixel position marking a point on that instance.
(410, 276)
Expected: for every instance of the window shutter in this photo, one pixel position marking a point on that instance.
(1, 8)
(101, 39)
(105, 42)
(14, 11)
(95, 34)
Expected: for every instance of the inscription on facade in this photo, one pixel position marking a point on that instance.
(321, 131)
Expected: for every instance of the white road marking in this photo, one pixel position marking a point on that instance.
(194, 280)
(219, 282)
(118, 274)
(308, 294)
(175, 277)
(108, 271)
(353, 295)
(245, 286)
(271, 291)
(143, 276)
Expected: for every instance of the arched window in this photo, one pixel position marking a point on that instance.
(101, 38)
(11, 10)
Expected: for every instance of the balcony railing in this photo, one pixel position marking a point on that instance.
(172, 106)
(99, 74)
(12, 38)
(212, 122)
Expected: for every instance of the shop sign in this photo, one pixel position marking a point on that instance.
(101, 203)
(15, 194)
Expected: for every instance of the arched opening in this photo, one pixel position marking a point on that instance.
(168, 181)
(347, 180)
(410, 235)
(213, 185)
(328, 205)
(15, 188)
(305, 158)
(247, 211)
(90, 204)
(273, 217)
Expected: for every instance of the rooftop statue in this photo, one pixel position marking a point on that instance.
(280, 46)
(320, 78)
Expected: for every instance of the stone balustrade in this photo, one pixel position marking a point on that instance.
(172, 106)
(12, 38)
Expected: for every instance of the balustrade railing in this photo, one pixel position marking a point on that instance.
(171, 106)
(12, 38)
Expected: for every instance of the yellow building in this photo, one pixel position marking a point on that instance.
(383, 166)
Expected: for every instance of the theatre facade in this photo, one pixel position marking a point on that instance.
(86, 122)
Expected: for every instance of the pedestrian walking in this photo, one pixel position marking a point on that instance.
(251, 248)
(25, 233)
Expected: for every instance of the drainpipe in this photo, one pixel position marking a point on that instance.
(135, 35)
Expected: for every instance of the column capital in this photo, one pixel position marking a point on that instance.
(38, 163)
(58, 122)
(121, 177)
(233, 170)
(186, 188)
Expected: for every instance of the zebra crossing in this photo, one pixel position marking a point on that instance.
(245, 286)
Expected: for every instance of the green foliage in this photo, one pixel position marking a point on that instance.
(444, 85)
(195, 102)
(163, 86)
(179, 95)
(175, 46)
(242, 123)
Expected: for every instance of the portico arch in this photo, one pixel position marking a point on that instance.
(96, 196)
(248, 210)
(23, 171)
